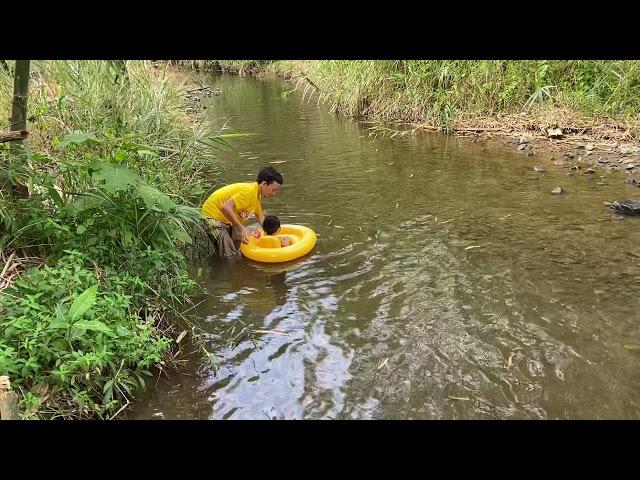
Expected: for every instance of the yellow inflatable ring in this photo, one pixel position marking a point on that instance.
(303, 239)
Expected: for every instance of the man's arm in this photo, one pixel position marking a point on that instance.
(229, 211)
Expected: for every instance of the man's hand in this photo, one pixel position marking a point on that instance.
(245, 234)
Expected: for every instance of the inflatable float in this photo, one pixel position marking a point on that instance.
(267, 248)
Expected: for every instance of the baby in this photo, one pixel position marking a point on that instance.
(271, 226)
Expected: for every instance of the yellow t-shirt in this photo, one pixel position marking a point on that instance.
(245, 195)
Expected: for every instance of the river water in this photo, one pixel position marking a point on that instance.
(447, 282)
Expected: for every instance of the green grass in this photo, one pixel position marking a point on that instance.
(113, 169)
(441, 91)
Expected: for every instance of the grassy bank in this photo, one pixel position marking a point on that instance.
(596, 98)
(93, 233)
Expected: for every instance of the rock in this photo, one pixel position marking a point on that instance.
(570, 155)
(588, 153)
(632, 181)
(530, 154)
(557, 191)
(627, 160)
(589, 147)
(603, 160)
(630, 166)
(624, 150)
(629, 207)
(522, 146)
(601, 183)
(575, 167)
(538, 169)
(554, 132)
(589, 171)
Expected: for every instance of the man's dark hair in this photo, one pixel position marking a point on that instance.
(269, 175)
(271, 224)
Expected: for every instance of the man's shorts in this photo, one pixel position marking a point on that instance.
(225, 238)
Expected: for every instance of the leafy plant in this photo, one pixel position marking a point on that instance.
(77, 338)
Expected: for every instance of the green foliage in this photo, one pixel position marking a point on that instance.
(113, 169)
(440, 90)
(77, 338)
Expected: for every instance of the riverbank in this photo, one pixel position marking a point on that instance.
(578, 114)
(94, 235)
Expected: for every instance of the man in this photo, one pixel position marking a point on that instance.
(228, 208)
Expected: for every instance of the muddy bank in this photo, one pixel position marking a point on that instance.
(576, 143)
(606, 149)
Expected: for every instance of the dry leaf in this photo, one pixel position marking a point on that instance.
(384, 362)
(181, 336)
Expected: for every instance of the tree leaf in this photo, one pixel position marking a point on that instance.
(153, 197)
(84, 302)
(59, 321)
(85, 203)
(55, 196)
(147, 153)
(78, 137)
(180, 235)
(115, 178)
(123, 331)
(94, 325)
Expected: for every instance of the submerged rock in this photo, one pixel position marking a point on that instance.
(628, 207)
(557, 191)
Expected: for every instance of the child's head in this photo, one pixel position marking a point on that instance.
(271, 224)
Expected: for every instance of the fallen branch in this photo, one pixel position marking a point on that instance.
(13, 136)
(14, 266)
